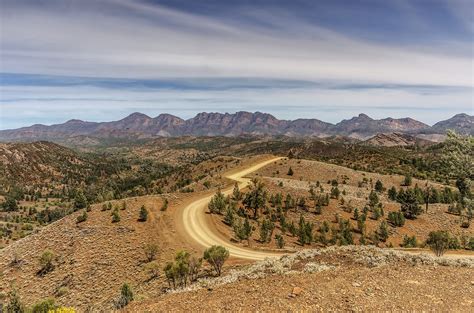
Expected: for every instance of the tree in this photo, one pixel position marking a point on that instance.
(126, 296)
(80, 201)
(46, 262)
(10, 205)
(379, 186)
(290, 172)
(383, 231)
(256, 198)
(266, 230)
(229, 216)
(438, 242)
(392, 193)
(236, 194)
(151, 250)
(305, 231)
(217, 203)
(345, 232)
(216, 256)
(409, 204)
(373, 199)
(143, 215)
(280, 242)
(243, 231)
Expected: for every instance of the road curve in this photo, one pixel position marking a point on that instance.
(196, 223)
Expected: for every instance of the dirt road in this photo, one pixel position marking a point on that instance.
(197, 226)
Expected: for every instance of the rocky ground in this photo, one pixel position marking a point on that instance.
(355, 278)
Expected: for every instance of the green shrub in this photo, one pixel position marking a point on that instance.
(438, 242)
(216, 256)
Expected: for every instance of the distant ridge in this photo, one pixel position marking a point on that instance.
(139, 125)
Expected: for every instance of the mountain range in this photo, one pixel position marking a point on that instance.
(138, 125)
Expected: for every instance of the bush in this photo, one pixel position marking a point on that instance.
(396, 219)
(407, 180)
(115, 216)
(409, 242)
(126, 296)
(44, 306)
(81, 218)
(164, 207)
(290, 172)
(46, 262)
(216, 256)
(150, 250)
(143, 215)
(14, 303)
(438, 242)
(153, 268)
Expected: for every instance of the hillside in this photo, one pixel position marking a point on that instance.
(93, 258)
(140, 126)
(396, 140)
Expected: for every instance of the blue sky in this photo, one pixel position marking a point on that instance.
(103, 59)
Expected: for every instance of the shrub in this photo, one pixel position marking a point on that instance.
(438, 242)
(46, 262)
(126, 296)
(379, 186)
(14, 303)
(153, 268)
(150, 250)
(409, 241)
(143, 215)
(290, 172)
(115, 216)
(392, 194)
(216, 256)
(81, 218)
(44, 306)
(396, 219)
(164, 207)
(407, 180)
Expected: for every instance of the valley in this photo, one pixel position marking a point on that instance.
(265, 203)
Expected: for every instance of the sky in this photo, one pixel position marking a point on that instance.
(101, 60)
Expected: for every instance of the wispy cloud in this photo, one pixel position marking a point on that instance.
(310, 55)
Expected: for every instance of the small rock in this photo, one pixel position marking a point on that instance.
(356, 284)
(296, 291)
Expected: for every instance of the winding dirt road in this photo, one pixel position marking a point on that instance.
(196, 222)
